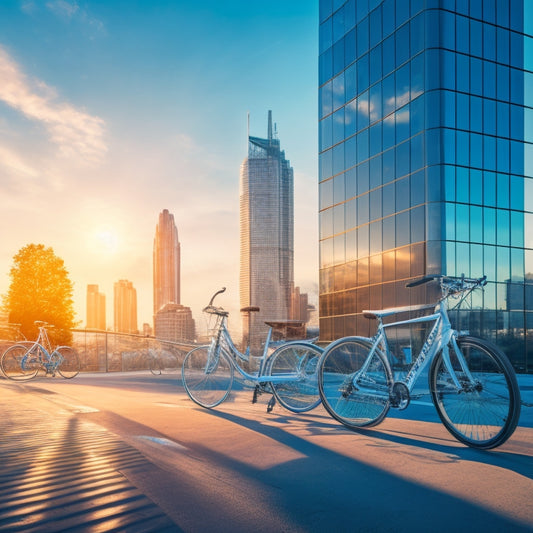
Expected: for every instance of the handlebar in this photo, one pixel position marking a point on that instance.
(223, 289)
(210, 308)
(452, 284)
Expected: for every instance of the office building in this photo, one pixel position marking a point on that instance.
(266, 234)
(174, 322)
(166, 262)
(426, 161)
(96, 315)
(125, 307)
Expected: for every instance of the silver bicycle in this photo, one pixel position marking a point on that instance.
(472, 383)
(288, 373)
(23, 360)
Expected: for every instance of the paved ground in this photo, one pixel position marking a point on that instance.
(130, 452)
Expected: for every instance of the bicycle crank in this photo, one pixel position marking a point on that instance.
(399, 396)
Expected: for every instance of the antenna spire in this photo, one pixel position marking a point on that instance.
(269, 125)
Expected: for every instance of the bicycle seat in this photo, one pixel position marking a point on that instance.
(394, 310)
(250, 310)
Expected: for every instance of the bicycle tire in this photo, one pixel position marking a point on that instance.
(70, 365)
(487, 415)
(154, 363)
(355, 404)
(207, 377)
(300, 359)
(19, 364)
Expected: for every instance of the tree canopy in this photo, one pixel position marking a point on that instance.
(40, 289)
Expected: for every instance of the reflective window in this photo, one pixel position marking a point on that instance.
(375, 27)
(326, 193)
(362, 73)
(338, 192)
(362, 36)
(326, 223)
(402, 43)
(350, 118)
(476, 224)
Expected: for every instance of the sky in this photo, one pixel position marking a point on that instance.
(113, 110)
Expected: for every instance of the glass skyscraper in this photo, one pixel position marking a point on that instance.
(266, 234)
(426, 161)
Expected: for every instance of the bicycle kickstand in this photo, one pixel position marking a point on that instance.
(271, 404)
(257, 392)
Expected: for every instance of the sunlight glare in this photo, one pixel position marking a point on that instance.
(106, 241)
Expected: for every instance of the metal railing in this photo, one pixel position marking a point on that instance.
(108, 351)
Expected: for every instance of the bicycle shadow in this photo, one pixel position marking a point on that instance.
(519, 463)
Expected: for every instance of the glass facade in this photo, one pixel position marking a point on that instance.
(426, 161)
(266, 235)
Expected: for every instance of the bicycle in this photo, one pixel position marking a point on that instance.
(472, 383)
(288, 373)
(22, 361)
(160, 361)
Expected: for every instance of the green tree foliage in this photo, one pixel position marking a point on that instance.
(40, 289)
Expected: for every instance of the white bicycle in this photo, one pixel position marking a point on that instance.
(289, 373)
(472, 383)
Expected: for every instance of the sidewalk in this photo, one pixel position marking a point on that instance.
(60, 472)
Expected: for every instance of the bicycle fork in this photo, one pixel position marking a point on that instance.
(468, 383)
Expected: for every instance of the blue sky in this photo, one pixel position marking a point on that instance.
(111, 111)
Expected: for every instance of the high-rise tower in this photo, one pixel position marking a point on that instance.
(96, 315)
(266, 230)
(166, 262)
(426, 160)
(125, 307)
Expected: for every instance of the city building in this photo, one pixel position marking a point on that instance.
(426, 161)
(166, 262)
(174, 322)
(96, 315)
(266, 235)
(125, 307)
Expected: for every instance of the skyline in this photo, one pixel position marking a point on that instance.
(110, 113)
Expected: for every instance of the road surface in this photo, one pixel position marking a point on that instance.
(130, 452)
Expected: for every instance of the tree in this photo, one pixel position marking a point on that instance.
(40, 289)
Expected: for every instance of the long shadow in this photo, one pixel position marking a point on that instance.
(366, 498)
(519, 463)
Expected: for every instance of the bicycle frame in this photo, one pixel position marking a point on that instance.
(441, 335)
(222, 341)
(51, 360)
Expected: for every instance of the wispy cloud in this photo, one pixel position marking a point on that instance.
(72, 11)
(73, 130)
(14, 163)
(63, 8)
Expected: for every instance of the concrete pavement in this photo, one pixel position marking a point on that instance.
(119, 452)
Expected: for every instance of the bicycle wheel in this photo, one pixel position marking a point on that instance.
(19, 363)
(70, 363)
(207, 377)
(300, 360)
(155, 366)
(351, 397)
(483, 415)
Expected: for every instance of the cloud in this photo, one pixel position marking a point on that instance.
(14, 163)
(63, 8)
(71, 11)
(74, 131)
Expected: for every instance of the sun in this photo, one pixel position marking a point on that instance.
(106, 241)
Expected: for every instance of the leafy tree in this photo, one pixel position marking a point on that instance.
(40, 289)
